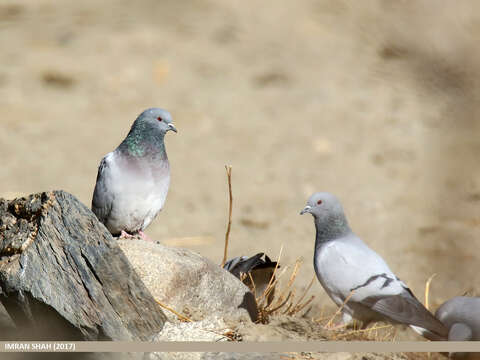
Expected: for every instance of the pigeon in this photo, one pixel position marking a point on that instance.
(133, 180)
(260, 270)
(357, 278)
(461, 315)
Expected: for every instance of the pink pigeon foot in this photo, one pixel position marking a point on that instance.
(125, 235)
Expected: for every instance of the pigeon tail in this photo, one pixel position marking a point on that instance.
(427, 334)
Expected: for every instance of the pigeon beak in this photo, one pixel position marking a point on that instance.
(172, 127)
(306, 209)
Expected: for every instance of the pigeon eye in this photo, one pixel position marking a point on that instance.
(159, 119)
(319, 202)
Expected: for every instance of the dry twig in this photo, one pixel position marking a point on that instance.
(180, 316)
(227, 234)
(272, 282)
(329, 323)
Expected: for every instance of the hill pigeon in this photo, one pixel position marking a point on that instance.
(133, 180)
(461, 315)
(261, 271)
(351, 272)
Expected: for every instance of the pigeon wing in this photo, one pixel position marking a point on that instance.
(406, 309)
(230, 264)
(266, 264)
(103, 197)
(240, 265)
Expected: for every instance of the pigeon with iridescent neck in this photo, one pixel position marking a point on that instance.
(133, 180)
(357, 278)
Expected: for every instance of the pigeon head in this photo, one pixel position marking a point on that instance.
(327, 211)
(146, 136)
(155, 119)
(322, 204)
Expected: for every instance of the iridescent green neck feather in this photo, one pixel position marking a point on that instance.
(144, 141)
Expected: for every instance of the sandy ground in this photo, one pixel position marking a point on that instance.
(376, 102)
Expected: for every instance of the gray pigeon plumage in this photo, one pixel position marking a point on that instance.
(133, 180)
(461, 315)
(346, 266)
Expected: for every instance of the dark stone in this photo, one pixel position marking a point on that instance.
(63, 276)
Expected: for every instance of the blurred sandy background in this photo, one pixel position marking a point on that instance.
(375, 101)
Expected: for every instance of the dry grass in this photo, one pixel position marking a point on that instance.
(427, 291)
(276, 300)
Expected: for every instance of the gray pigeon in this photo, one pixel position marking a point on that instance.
(346, 266)
(260, 270)
(461, 315)
(133, 180)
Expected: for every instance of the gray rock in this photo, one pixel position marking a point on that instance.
(271, 356)
(6, 323)
(282, 328)
(243, 356)
(63, 276)
(211, 329)
(189, 283)
(215, 356)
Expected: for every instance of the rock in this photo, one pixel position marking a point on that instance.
(282, 328)
(204, 330)
(190, 284)
(63, 276)
(217, 356)
(212, 329)
(245, 356)
(7, 326)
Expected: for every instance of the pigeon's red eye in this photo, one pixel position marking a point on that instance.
(159, 119)
(319, 202)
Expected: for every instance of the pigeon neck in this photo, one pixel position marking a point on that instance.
(333, 228)
(142, 142)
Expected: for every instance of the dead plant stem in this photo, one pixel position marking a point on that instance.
(227, 234)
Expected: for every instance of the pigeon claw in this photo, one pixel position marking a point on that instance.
(125, 235)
